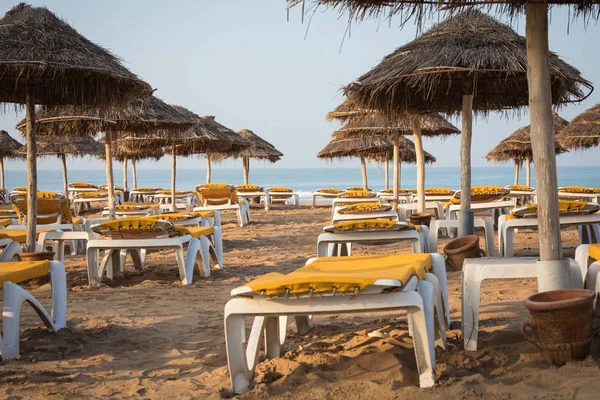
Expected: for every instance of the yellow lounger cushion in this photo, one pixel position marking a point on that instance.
(564, 207)
(46, 207)
(20, 189)
(365, 224)
(400, 190)
(436, 191)
(579, 189)
(22, 271)
(213, 186)
(5, 222)
(249, 188)
(357, 193)
(594, 251)
(195, 231)
(140, 206)
(175, 216)
(128, 223)
(346, 274)
(357, 189)
(82, 185)
(330, 190)
(521, 188)
(365, 208)
(177, 192)
(280, 189)
(19, 235)
(146, 190)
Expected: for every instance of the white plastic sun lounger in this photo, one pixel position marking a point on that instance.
(330, 242)
(420, 298)
(589, 271)
(262, 195)
(14, 296)
(587, 224)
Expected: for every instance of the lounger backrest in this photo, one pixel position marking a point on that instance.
(48, 211)
(212, 194)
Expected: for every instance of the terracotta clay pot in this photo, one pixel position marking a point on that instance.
(459, 249)
(560, 324)
(420, 219)
(37, 256)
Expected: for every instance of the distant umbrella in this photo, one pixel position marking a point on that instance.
(258, 148)
(9, 148)
(43, 60)
(583, 132)
(62, 147)
(518, 148)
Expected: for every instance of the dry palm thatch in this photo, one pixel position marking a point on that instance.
(377, 147)
(364, 9)
(122, 152)
(151, 118)
(469, 52)
(377, 123)
(57, 146)
(45, 61)
(257, 148)
(583, 132)
(517, 146)
(209, 136)
(9, 148)
(42, 53)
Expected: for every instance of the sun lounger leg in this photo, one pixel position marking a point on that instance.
(136, 258)
(10, 251)
(241, 364)
(218, 243)
(303, 323)
(240, 217)
(272, 339)
(471, 286)
(92, 266)
(508, 237)
(438, 311)
(205, 256)
(439, 270)
(423, 340)
(186, 265)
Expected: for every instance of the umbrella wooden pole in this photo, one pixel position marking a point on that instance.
(63, 159)
(416, 121)
(466, 218)
(363, 166)
(31, 169)
(387, 174)
(2, 182)
(125, 174)
(173, 176)
(399, 174)
(396, 183)
(528, 172)
(134, 174)
(553, 273)
(208, 171)
(246, 162)
(109, 174)
(517, 167)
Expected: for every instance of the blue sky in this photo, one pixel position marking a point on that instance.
(243, 62)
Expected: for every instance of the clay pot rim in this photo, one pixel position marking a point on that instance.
(469, 241)
(583, 296)
(420, 215)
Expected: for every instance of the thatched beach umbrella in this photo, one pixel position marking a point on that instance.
(9, 148)
(210, 133)
(583, 132)
(43, 60)
(64, 146)
(258, 148)
(469, 63)
(518, 147)
(149, 118)
(540, 82)
(361, 122)
(374, 147)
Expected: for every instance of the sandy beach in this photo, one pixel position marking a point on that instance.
(147, 336)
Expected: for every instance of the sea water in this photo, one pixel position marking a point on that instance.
(302, 180)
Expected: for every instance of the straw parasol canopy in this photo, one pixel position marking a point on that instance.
(9, 148)
(45, 61)
(583, 132)
(61, 147)
(377, 147)
(258, 148)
